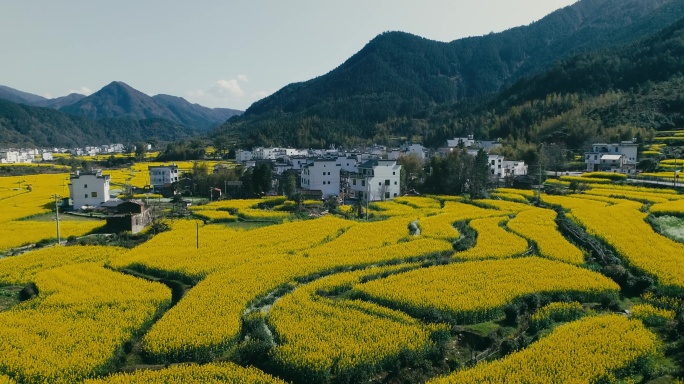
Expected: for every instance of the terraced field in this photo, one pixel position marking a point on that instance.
(495, 290)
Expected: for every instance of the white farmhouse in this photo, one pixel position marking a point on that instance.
(89, 189)
(9, 157)
(514, 168)
(496, 165)
(620, 157)
(242, 156)
(377, 179)
(47, 156)
(162, 174)
(322, 175)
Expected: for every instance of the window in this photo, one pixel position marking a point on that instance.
(85, 185)
(387, 195)
(86, 195)
(380, 183)
(93, 194)
(354, 181)
(395, 195)
(394, 173)
(387, 182)
(395, 183)
(363, 183)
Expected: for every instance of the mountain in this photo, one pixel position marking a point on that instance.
(195, 115)
(613, 94)
(58, 102)
(26, 126)
(17, 96)
(397, 81)
(119, 100)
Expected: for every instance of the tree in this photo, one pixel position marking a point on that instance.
(140, 151)
(221, 145)
(479, 176)
(290, 184)
(411, 172)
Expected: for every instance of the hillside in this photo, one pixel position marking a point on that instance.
(17, 96)
(614, 94)
(195, 115)
(398, 77)
(22, 125)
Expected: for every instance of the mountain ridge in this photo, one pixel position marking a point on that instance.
(398, 76)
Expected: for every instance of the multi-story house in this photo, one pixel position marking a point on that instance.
(322, 175)
(620, 157)
(376, 179)
(89, 189)
(163, 174)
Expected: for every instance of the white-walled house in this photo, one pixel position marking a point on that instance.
(47, 156)
(496, 165)
(242, 156)
(377, 179)
(514, 168)
(322, 175)
(163, 174)
(9, 157)
(88, 189)
(620, 157)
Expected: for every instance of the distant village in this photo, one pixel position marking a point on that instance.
(370, 174)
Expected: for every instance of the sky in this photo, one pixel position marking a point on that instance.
(220, 53)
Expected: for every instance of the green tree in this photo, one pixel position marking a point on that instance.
(290, 184)
(140, 151)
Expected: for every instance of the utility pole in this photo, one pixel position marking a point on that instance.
(367, 196)
(59, 238)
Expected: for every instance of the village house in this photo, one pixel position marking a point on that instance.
(620, 157)
(162, 175)
(130, 216)
(323, 175)
(376, 179)
(88, 189)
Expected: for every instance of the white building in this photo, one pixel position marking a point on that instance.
(322, 175)
(514, 168)
(466, 141)
(163, 174)
(377, 180)
(89, 189)
(262, 153)
(242, 156)
(496, 165)
(47, 156)
(608, 157)
(9, 157)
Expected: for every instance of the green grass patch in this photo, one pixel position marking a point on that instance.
(483, 329)
(671, 226)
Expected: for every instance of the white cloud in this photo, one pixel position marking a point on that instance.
(83, 90)
(227, 87)
(227, 93)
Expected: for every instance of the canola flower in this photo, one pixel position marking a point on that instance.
(473, 292)
(322, 337)
(441, 226)
(215, 373)
(669, 208)
(583, 351)
(553, 312)
(493, 241)
(19, 270)
(651, 315)
(539, 225)
(623, 226)
(78, 325)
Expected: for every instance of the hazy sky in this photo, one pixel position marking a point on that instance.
(220, 53)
